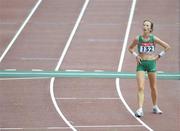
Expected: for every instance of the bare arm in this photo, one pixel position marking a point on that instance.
(163, 44)
(131, 49)
(132, 46)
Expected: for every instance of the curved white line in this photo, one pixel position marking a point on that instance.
(60, 62)
(19, 31)
(121, 63)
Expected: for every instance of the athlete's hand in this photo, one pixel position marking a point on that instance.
(157, 57)
(138, 59)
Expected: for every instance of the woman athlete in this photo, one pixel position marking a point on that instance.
(146, 62)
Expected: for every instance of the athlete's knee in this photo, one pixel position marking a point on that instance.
(153, 87)
(141, 88)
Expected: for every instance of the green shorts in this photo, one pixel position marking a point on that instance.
(147, 65)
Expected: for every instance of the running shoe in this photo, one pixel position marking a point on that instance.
(156, 110)
(139, 113)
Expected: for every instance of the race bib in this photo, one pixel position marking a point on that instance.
(147, 48)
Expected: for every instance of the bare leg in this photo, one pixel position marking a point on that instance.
(153, 86)
(154, 92)
(140, 82)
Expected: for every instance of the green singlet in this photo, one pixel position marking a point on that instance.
(146, 46)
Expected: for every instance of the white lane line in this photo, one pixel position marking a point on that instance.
(60, 62)
(88, 126)
(121, 63)
(37, 70)
(160, 71)
(19, 31)
(10, 69)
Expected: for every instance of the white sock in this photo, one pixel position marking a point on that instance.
(140, 109)
(155, 106)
